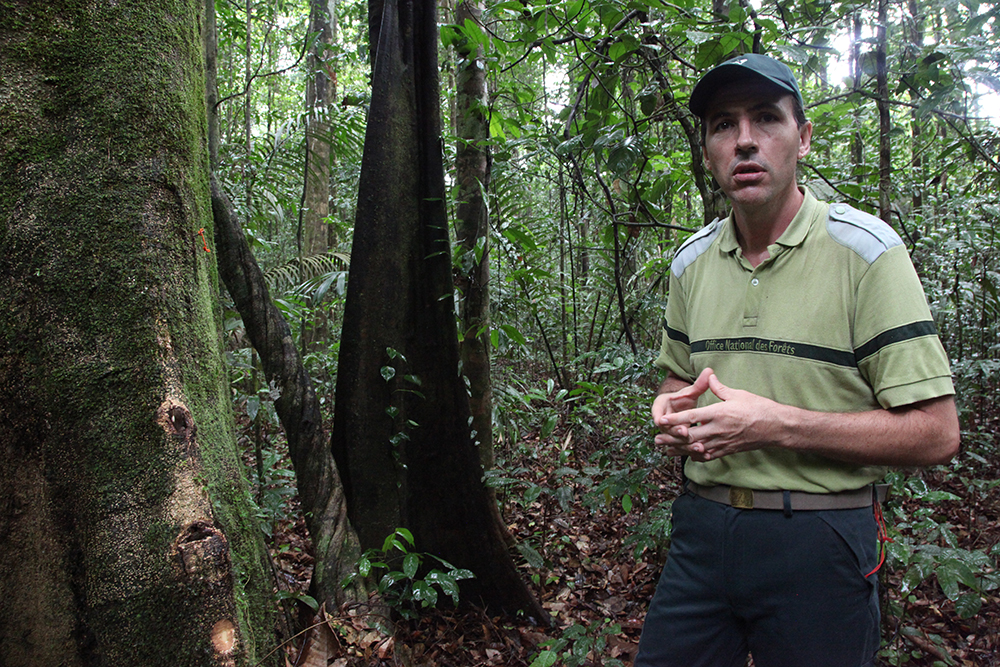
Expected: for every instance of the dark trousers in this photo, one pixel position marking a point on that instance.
(791, 590)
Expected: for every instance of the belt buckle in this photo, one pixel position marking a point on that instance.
(741, 498)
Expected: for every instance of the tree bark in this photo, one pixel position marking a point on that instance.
(884, 122)
(313, 235)
(857, 72)
(913, 51)
(472, 169)
(319, 487)
(401, 428)
(126, 532)
(210, 44)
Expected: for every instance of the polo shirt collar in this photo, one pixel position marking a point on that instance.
(793, 236)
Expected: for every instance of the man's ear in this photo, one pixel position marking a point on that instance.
(805, 139)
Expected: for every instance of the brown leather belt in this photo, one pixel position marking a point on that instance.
(748, 499)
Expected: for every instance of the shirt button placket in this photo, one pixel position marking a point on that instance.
(752, 302)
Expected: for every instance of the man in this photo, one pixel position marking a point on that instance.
(801, 359)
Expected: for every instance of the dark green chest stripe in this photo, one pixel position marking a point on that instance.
(804, 350)
(782, 348)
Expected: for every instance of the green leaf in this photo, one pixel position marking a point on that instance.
(520, 237)
(389, 579)
(496, 126)
(411, 563)
(618, 51)
(546, 658)
(446, 582)
(911, 580)
(968, 604)
(938, 496)
(253, 407)
(364, 566)
(514, 334)
(533, 558)
(388, 372)
(627, 503)
(308, 600)
(426, 594)
(549, 426)
(949, 575)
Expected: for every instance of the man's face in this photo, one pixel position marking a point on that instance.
(752, 144)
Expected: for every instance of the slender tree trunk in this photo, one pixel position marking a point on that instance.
(126, 535)
(857, 141)
(313, 236)
(564, 245)
(320, 491)
(210, 44)
(401, 429)
(884, 122)
(916, 157)
(472, 167)
(248, 112)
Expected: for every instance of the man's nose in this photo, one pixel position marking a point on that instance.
(745, 138)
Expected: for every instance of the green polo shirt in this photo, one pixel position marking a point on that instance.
(835, 320)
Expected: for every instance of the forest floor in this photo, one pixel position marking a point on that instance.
(584, 563)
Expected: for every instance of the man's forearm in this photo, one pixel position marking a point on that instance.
(671, 384)
(919, 434)
(924, 433)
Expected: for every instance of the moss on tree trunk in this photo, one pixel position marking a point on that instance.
(125, 530)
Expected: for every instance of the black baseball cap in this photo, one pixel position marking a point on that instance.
(750, 64)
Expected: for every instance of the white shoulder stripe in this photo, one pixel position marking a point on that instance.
(691, 249)
(865, 234)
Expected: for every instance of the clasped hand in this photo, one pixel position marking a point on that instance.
(739, 422)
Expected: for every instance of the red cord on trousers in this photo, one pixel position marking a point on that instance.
(883, 537)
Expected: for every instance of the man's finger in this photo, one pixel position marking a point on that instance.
(685, 417)
(719, 389)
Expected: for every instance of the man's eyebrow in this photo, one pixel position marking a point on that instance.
(769, 105)
(721, 113)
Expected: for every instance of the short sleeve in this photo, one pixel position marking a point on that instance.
(895, 338)
(675, 347)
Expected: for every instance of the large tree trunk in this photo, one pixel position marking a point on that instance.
(401, 429)
(126, 535)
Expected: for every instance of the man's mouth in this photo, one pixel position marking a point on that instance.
(747, 172)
